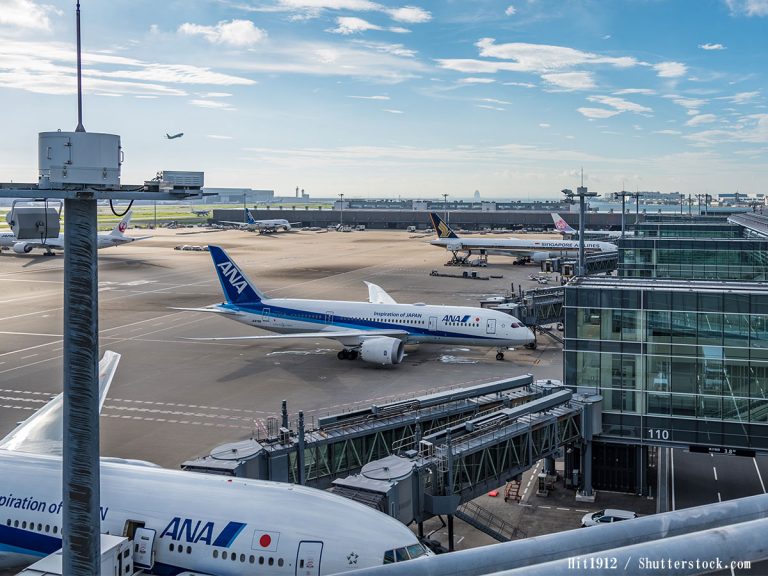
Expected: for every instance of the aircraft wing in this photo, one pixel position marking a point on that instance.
(209, 309)
(43, 432)
(377, 295)
(346, 337)
(235, 223)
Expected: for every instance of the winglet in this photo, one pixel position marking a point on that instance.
(43, 432)
(238, 289)
(442, 229)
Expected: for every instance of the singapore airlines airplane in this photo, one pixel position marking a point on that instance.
(523, 249)
(374, 331)
(263, 226)
(564, 228)
(106, 240)
(184, 522)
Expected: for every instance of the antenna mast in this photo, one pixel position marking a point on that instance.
(80, 127)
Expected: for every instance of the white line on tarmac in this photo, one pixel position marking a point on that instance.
(759, 475)
(715, 472)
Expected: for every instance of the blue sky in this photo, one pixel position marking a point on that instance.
(414, 98)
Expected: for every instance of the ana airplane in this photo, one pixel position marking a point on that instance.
(524, 250)
(374, 331)
(104, 240)
(564, 228)
(189, 522)
(263, 226)
(172, 136)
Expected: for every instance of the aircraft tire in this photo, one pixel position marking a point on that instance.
(343, 354)
(499, 356)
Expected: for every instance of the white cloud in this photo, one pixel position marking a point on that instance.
(741, 97)
(597, 112)
(494, 101)
(571, 80)
(644, 91)
(748, 7)
(393, 111)
(26, 14)
(670, 69)
(399, 30)
(347, 25)
(544, 125)
(212, 104)
(215, 95)
(711, 46)
(474, 80)
(370, 97)
(384, 48)
(619, 104)
(218, 137)
(487, 107)
(701, 119)
(410, 14)
(523, 84)
(240, 33)
(689, 103)
(669, 132)
(754, 131)
(510, 11)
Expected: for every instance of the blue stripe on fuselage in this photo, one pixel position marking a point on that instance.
(319, 318)
(27, 542)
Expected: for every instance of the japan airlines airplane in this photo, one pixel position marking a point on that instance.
(105, 240)
(374, 331)
(190, 522)
(564, 228)
(263, 226)
(524, 250)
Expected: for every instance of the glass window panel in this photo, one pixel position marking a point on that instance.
(658, 326)
(683, 405)
(683, 375)
(736, 409)
(658, 403)
(710, 329)
(709, 407)
(758, 411)
(658, 373)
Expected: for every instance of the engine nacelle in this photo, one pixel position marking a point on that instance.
(539, 257)
(22, 247)
(383, 350)
(454, 246)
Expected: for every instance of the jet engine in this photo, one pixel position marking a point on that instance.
(454, 246)
(383, 350)
(22, 247)
(539, 257)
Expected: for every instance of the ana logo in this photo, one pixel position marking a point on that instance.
(195, 531)
(443, 229)
(122, 226)
(229, 272)
(459, 319)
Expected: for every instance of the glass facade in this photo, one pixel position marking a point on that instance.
(688, 230)
(674, 362)
(693, 259)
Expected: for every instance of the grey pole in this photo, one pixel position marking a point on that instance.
(582, 269)
(341, 218)
(81, 519)
(300, 449)
(562, 545)
(284, 413)
(623, 210)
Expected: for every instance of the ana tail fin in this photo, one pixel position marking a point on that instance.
(441, 228)
(238, 289)
(248, 217)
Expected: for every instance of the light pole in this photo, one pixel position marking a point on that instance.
(341, 203)
(582, 193)
(245, 210)
(623, 195)
(445, 207)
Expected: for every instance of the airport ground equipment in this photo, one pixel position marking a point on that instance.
(116, 555)
(465, 274)
(722, 522)
(36, 222)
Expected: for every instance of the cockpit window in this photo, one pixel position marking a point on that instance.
(389, 557)
(401, 554)
(416, 550)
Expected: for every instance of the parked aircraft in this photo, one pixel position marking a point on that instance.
(263, 226)
(189, 522)
(564, 228)
(104, 240)
(374, 331)
(201, 213)
(524, 250)
(172, 136)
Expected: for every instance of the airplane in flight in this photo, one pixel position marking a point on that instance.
(524, 250)
(375, 331)
(104, 240)
(564, 228)
(263, 226)
(173, 136)
(187, 522)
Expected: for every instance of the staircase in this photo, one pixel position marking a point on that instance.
(487, 522)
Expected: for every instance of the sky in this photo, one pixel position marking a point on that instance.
(382, 98)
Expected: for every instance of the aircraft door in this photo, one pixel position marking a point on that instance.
(490, 327)
(329, 317)
(308, 558)
(144, 548)
(433, 323)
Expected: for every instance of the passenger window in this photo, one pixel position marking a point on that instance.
(261, 559)
(271, 561)
(280, 562)
(223, 555)
(170, 547)
(251, 559)
(242, 557)
(215, 553)
(189, 549)
(301, 563)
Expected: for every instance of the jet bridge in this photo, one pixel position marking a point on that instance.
(342, 444)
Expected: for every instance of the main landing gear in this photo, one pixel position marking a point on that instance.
(499, 355)
(347, 354)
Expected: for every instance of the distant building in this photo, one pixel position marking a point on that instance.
(235, 195)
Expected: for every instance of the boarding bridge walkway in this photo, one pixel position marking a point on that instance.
(342, 444)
